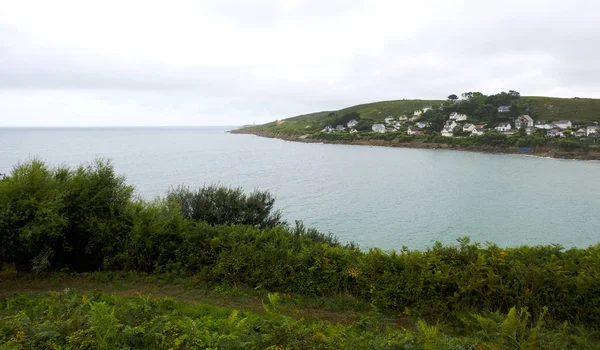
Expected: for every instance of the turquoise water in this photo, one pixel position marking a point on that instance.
(377, 197)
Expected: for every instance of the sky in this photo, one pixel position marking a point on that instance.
(226, 62)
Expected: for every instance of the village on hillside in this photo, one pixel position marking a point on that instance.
(458, 124)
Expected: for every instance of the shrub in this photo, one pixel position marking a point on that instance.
(224, 205)
(55, 217)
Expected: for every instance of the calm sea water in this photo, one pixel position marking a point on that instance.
(377, 197)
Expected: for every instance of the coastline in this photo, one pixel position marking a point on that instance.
(539, 151)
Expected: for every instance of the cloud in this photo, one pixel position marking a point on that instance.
(231, 62)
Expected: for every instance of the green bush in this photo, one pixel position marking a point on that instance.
(52, 218)
(223, 205)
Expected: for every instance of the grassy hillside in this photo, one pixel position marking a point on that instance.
(375, 111)
(554, 108)
(540, 108)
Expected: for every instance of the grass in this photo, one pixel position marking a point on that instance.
(554, 108)
(343, 308)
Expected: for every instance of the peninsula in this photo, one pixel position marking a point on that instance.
(502, 123)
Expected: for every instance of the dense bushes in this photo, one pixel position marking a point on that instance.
(62, 217)
(86, 219)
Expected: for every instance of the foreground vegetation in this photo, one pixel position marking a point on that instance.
(87, 219)
(72, 319)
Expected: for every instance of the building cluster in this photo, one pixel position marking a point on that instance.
(457, 121)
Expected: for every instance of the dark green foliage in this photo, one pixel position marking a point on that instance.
(335, 119)
(61, 217)
(364, 125)
(224, 205)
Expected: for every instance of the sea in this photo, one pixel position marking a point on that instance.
(377, 197)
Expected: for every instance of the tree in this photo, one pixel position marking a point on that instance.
(453, 98)
(363, 125)
(225, 205)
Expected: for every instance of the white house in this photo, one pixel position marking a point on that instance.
(418, 112)
(469, 127)
(396, 124)
(591, 130)
(523, 121)
(403, 118)
(563, 124)
(451, 124)
(427, 108)
(447, 131)
(422, 124)
(380, 128)
(477, 131)
(340, 128)
(414, 117)
(580, 133)
(458, 116)
(503, 109)
(352, 123)
(388, 120)
(502, 127)
(544, 125)
(327, 129)
(556, 132)
(413, 130)
(353, 131)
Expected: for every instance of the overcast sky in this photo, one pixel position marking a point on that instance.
(233, 62)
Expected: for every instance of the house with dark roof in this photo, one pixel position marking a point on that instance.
(340, 128)
(503, 109)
